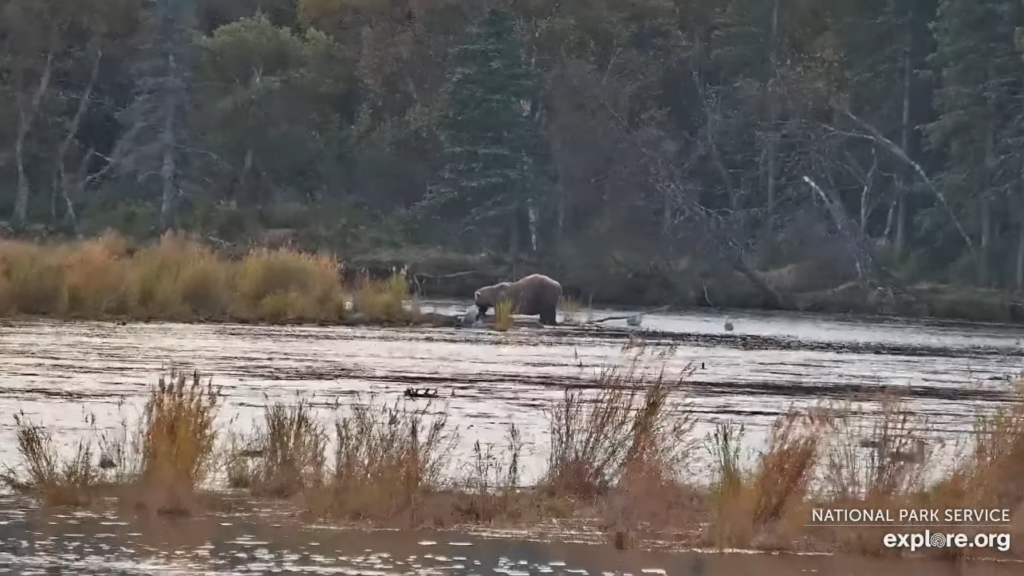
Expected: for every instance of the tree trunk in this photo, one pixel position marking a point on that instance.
(1019, 272)
(985, 210)
(773, 112)
(905, 135)
(560, 217)
(513, 241)
(60, 184)
(168, 166)
(25, 119)
(865, 194)
(860, 247)
(532, 218)
(666, 214)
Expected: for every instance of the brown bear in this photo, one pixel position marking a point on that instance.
(530, 295)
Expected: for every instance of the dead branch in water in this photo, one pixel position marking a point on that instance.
(627, 317)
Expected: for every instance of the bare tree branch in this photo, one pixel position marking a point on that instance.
(59, 176)
(25, 119)
(897, 151)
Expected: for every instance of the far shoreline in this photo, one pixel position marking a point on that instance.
(180, 278)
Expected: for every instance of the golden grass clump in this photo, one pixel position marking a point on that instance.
(384, 301)
(176, 440)
(597, 438)
(159, 467)
(284, 284)
(285, 456)
(31, 279)
(97, 274)
(504, 317)
(179, 279)
(766, 500)
(57, 481)
(388, 459)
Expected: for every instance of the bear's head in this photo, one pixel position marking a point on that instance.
(488, 296)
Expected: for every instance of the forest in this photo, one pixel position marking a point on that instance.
(727, 152)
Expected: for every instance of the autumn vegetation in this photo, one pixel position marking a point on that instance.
(731, 153)
(179, 278)
(622, 456)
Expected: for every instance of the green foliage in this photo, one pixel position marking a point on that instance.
(492, 152)
(664, 144)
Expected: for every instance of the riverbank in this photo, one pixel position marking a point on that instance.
(619, 460)
(183, 279)
(267, 540)
(179, 279)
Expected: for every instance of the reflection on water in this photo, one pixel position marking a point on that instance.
(33, 541)
(53, 371)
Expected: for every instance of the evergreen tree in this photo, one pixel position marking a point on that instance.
(977, 106)
(493, 153)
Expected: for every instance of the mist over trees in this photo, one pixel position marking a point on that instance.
(685, 146)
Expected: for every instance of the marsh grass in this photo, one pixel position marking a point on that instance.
(57, 481)
(491, 481)
(284, 456)
(159, 464)
(758, 503)
(285, 284)
(573, 311)
(620, 453)
(870, 459)
(992, 474)
(624, 423)
(388, 460)
(176, 440)
(240, 456)
(31, 279)
(97, 277)
(179, 278)
(384, 301)
(504, 315)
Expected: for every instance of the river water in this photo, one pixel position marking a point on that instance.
(44, 542)
(59, 372)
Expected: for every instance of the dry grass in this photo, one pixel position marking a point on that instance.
(384, 301)
(159, 465)
(176, 440)
(572, 311)
(181, 279)
(756, 505)
(993, 472)
(31, 279)
(620, 452)
(282, 458)
(57, 481)
(178, 279)
(388, 460)
(599, 436)
(287, 285)
(504, 315)
(491, 481)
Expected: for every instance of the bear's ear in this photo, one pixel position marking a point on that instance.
(476, 295)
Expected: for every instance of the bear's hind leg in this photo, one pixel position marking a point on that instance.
(547, 316)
